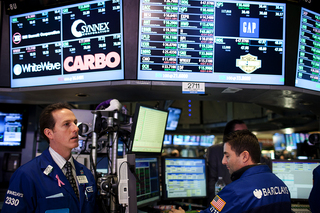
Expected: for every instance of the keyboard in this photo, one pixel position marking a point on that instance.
(300, 208)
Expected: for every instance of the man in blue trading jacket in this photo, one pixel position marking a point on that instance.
(41, 184)
(315, 192)
(254, 188)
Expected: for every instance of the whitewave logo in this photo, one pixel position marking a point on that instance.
(88, 29)
(43, 66)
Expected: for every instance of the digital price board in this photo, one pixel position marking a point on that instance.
(212, 41)
(70, 44)
(308, 63)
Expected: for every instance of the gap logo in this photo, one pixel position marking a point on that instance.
(249, 27)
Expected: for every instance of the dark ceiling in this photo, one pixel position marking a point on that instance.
(282, 106)
(288, 107)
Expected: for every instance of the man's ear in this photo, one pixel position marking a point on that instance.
(48, 132)
(245, 156)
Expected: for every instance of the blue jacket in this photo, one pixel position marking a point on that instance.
(34, 189)
(315, 192)
(257, 190)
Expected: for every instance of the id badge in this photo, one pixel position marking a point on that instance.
(82, 179)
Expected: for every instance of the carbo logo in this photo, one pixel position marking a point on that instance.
(249, 27)
(91, 62)
(88, 29)
(43, 66)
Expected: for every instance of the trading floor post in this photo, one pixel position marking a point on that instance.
(94, 142)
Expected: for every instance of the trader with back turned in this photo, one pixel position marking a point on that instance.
(254, 187)
(53, 182)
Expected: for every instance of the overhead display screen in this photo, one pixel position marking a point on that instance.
(308, 63)
(212, 41)
(71, 44)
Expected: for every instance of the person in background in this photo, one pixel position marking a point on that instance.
(315, 191)
(175, 153)
(41, 185)
(214, 159)
(254, 188)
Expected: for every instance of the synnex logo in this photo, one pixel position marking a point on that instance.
(43, 66)
(88, 29)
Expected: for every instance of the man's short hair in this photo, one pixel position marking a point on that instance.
(244, 140)
(230, 127)
(46, 118)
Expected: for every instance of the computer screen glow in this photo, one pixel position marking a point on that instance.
(148, 130)
(184, 178)
(212, 41)
(69, 44)
(297, 175)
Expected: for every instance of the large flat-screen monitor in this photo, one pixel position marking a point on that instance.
(12, 129)
(148, 186)
(297, 175)
(279, 141)
(173, 118)
(186, 140)
(148, 128)
(69, 44)
(292, 140)
(183, 178)
(212, 41)
(167, 139)
(206, 140)
(308, 60)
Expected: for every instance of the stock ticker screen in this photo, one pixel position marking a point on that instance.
(69, 44)
(308, 63)
(212, 41)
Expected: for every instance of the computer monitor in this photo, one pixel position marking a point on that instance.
(297, 175)
(292, 140)
(12, 129)
(206, 140)
(183, 178)
(186, 140)
(148, 130)
(212, 41)
(173, 118)
(307, 70)
(74, 43)
(167, 139)
(279, 141)
(148, 185)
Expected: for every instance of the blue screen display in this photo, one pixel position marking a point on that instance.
(70, 44)
(212, 41)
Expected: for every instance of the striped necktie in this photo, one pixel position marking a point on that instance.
(71, 178)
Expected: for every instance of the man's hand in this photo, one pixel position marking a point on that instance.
(180, 210)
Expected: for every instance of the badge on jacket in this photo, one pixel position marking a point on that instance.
(48, 170)
(82, 179)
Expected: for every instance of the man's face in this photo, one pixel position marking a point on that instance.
(230, 159)
(65, 132)
(240, 127)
